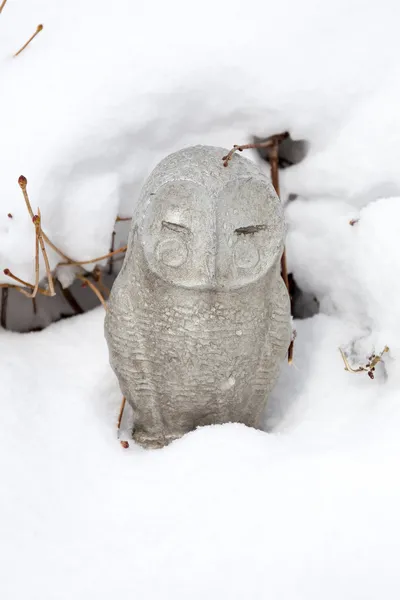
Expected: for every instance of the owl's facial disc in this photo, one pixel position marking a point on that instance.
(195, 240)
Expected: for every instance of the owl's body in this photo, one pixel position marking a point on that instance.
(198, 320)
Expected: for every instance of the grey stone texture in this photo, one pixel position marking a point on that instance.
(199, 317)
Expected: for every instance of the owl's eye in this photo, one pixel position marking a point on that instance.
(250, 229)
(172, 253)
(246, 254)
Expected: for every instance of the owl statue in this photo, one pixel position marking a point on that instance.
(198, 319)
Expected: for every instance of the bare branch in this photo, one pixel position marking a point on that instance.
(94, 289)
(38, 30)
(94, 260)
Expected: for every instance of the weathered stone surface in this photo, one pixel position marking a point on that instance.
(198, 318)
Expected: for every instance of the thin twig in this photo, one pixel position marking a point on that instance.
(38, 30)
(111, 261)
(23, 182)
(121, 413)
(3, 314)
(37, 222)
(94, 289)
(24, 283)
(94, 260)
(118, 219)
(2, 5)
(35, 289)
(265, 144)
(369, 368)
(15, 287)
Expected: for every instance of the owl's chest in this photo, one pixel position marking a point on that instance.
(202, 330)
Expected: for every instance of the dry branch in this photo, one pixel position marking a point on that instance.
(94, 289)
(38, 30)
(369, 368)
(35, 289)
(39, 235)
(2, 5)
(121, 412)
(265, 144)
(24, 283)
(93, 260)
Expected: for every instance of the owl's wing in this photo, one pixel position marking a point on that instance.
(280, 329)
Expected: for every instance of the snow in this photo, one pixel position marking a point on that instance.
(104, 92)
(307, 510)
(226, 511)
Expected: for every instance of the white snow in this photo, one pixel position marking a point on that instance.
(307, 511)
(105, 91)
(310, 510)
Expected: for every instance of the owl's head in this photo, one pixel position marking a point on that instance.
(221, 228)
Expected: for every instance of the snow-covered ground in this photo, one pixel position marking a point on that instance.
(307, 511)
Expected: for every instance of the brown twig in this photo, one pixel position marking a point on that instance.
(94, 289)
(265, 144)
(15, 287)
(24, 283)
(111, 261)
(37, 226)
(118, 219)
(39, 234)
(121, 413)
(3, 314)
(38, 30)
(94, 260)
(369, 368)
(36, 219)
(23, 182)
(2, 5)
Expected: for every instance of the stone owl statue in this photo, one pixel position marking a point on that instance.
(198, 319)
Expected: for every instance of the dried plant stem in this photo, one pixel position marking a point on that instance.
(24, 283)
(94, 260)
(118, 219)
(121, 413)
(38, 30)
(2, 5)
(369, 368)
(45, 257)
(94, 289)
(112, 247)
(15, 287)
(36, 219)
(35, 289)
(23, 182)
(275, 139)
(3, 314)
